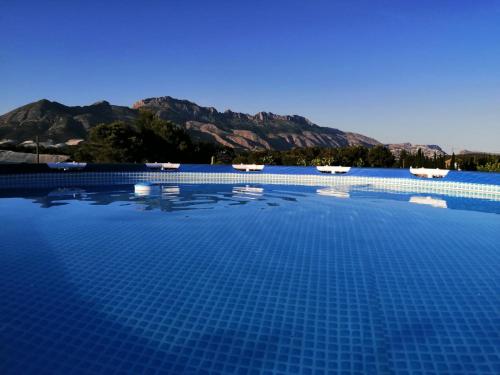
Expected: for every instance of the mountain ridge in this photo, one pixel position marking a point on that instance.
(427, 150)
(264, 130)
(55, 122)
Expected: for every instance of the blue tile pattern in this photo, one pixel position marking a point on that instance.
(466, 184)
(230, 280)
(453, 176)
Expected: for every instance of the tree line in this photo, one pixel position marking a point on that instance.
(148, 139)
(377, 156)
(478, 162)
(357, 156)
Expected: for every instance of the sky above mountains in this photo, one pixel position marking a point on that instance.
(419, 71)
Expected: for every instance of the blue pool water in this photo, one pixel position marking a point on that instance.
(226, 279)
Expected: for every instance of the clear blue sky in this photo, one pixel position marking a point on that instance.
(420, 71)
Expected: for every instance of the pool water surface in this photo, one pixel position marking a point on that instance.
(237, 279)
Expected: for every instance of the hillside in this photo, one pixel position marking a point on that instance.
(24, 157)
(427, 150)
(263, 130)
(57, 122)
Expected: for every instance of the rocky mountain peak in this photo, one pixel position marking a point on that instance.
(427, 150)
(163, 101)
(101, 103)
(263, 116)
(265, 130)
(56, 122)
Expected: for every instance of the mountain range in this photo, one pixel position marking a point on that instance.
(56, 123)
(427, 150)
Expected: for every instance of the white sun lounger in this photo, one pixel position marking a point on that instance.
(67, 166)
(429, 173)
(163, 166)
(248, 167)
(332, 169)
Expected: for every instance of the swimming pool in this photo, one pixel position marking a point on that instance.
(248, 279)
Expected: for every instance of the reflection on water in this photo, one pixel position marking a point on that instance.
(170, 191)
(334, 192)
(162, 197)
(67, 192)
(247, 192)
(180, 197)
(439, 203)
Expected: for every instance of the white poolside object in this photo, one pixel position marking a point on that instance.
(331, 192)
(333, 169)
(440, 203)
(164, 166)
(67, 166)
(429, 172)
(248, 167)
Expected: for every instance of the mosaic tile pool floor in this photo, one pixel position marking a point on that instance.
(222, 279)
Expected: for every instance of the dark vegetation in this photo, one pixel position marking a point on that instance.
(358, 156)
(150, 139)
(43, 150)
(479, 162)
